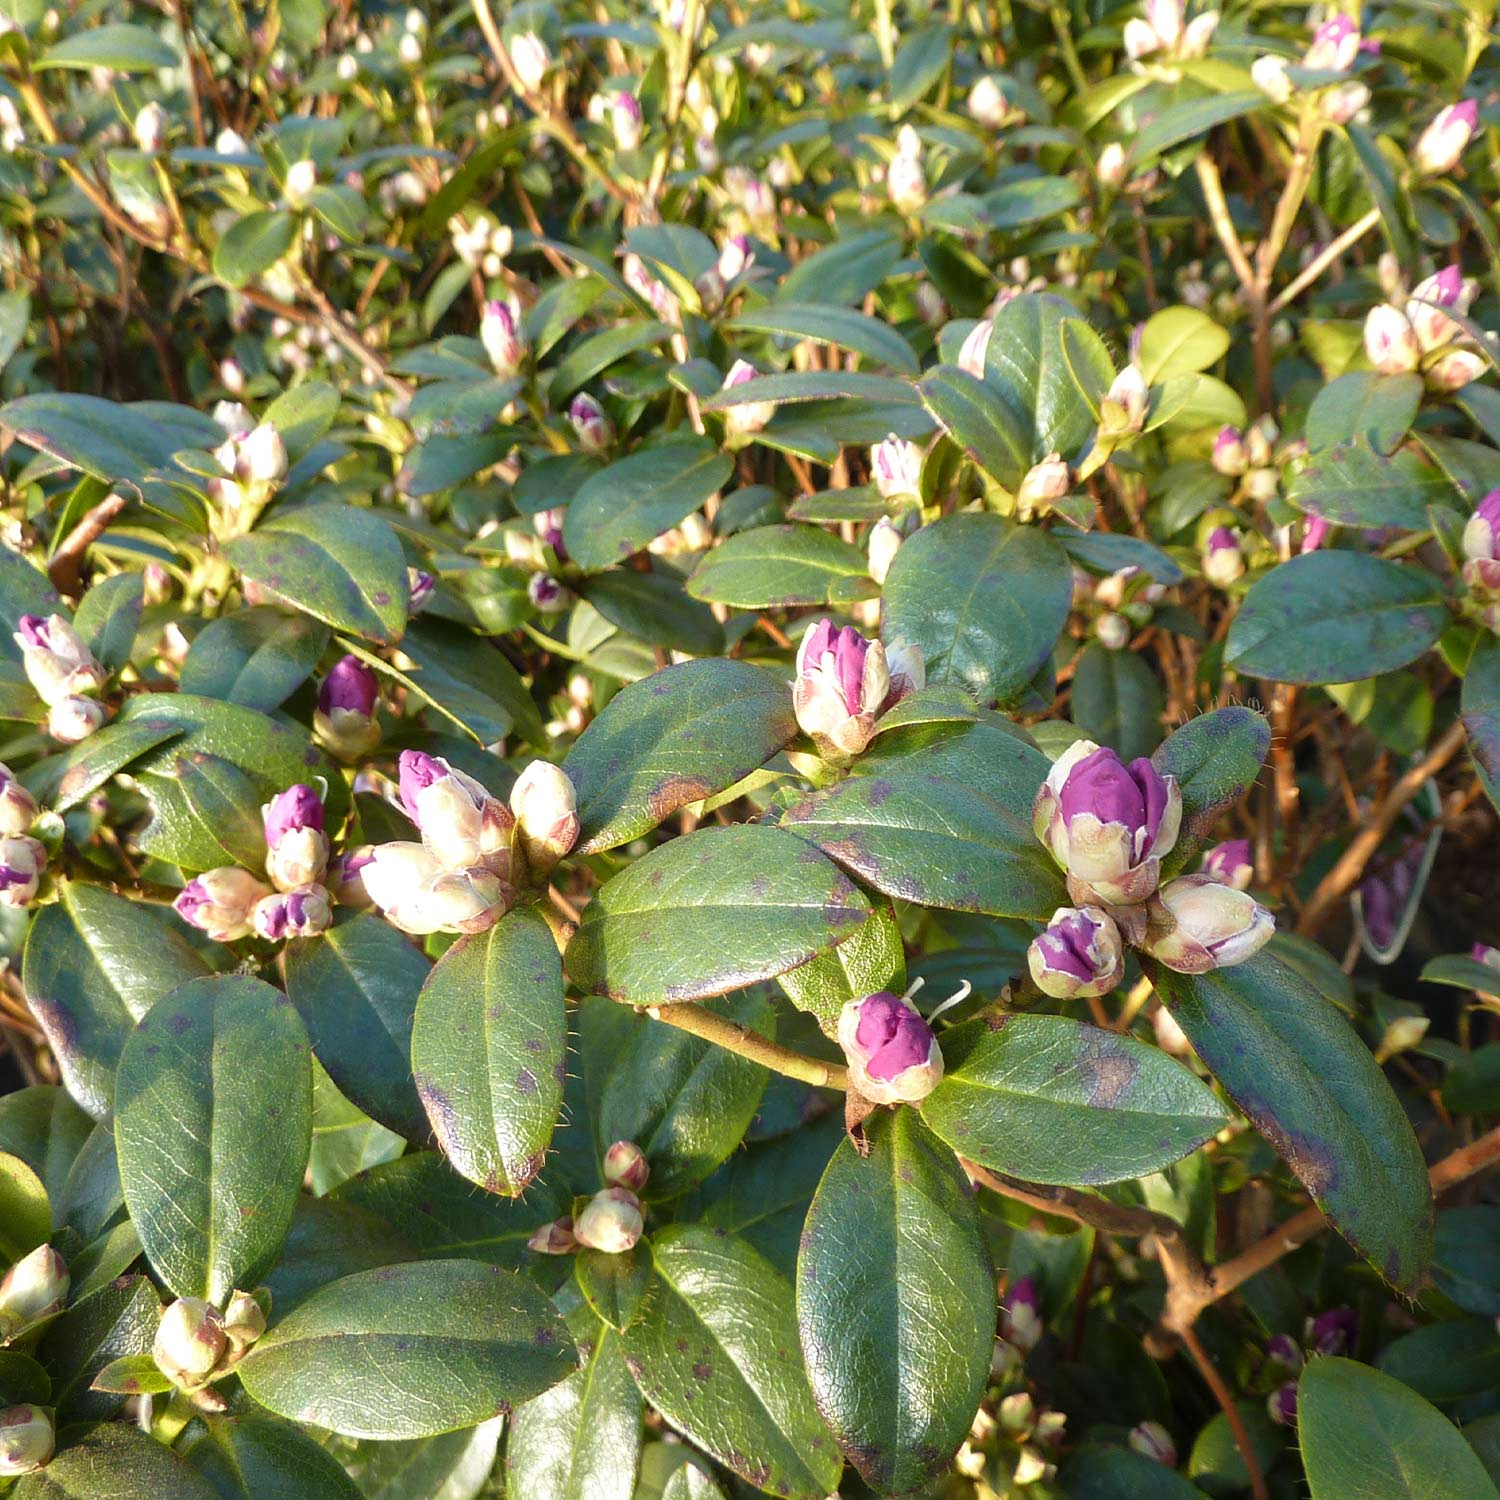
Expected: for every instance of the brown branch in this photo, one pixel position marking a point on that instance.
(1225, 1397)
(66, 568)
(698, 1021)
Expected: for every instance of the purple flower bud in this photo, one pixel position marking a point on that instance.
(1314, 533)
(556, 1238)
(58, 664)
(892, 1054)
(748, 417)
(1334, 1331)
(1021, 1324)
(1195, 924)
(1230, 864)
(546, 593)
(419, 895)
(625, 1166)
(1223, 562)
(421, 585)
(611, 1222)
(1152, 1440)
(220, 902)
(1378, 909)
(736, 256)
(1284, 1352)
(303, 912)
(1483, 953)
(896, 467)
(500, 333)
(548, 524)
(626, 120)
(1230, 456)
(1335, 45)
(18, 807)
(297, 848)
(1281, 1405)
(843, 685)
(1440, 147)
(461, 824)
(349, 687)
(27, 1439)
(1107, 824)
(22, 861)
(591, 424)
(1079, 954)
(345, 876)
(1430, 302)
(296, 808)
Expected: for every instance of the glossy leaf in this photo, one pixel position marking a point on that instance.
(1351, 484)
(109, 1324)
(252, 245)
(410, 1350)
(615, 1286)
(258, 1458)
(25, 1215)
(487, 1049)
(873, 959)
(896, 1303)
(451, 1466)
(213, 1101)
(712, 912)
(673, 738)
(257, 657)
(116, 1461)
(1216, 759)
(780, 567)
(1481, 714)
(117, 45)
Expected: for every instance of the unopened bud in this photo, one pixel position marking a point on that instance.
(1281, 1405)
(1223, 562)
(893, 1056)
(1196, 924)
(545, 805)
(58, 664)
(546, 593)
(531, 59)
(1021, 1320)
(612, 1221)
(151, 126)
(301, 179)
(896, 467)
(974, 350)
(244, 1321)
(500, 333)
(1045, 483)
(221, 902)
(1230, 864)
(1152, 1440)
(33, 1288)
(72, 719)
(18, 807)
(1443, 143)
(345, 719)
(883, 545)
(1229, 455)
(748, 417)
(1111, 165)
(1404, 1033)
(422, 585)
(591, 424)
(26, 1440)
(625, 1166)
(297, 848)
(1123, 409)
(263, 456)
(1345, 100)
(303, 912)
(22, 861)
(190, 1341)
(1390, 343)
(461, 823)
(418, 895)
(1453, 369)
(1113, 630)
(1080, 954)
(986, 103)
(556, 1238)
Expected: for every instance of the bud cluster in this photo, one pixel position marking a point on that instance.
(481, 244)
(1335, 48)
(1251, 457)
(22, 858)
(1421, 337)
(845, 682)
(1108, 825)
(1164, 31)
(65, 675)
(196, 1344)
(254, 460)
(613, 1220)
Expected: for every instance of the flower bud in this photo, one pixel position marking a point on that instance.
(244, 1321)
(33, 1288)
(18, 807)
(556, 1238)
(500, 333)
(531, 59)
(546, 593)
(461, 824)
(1140, 39)
(625, 1166)
(409, 49)
(892, 1054)
(611, 1222)
(1124, 406)
(233, 417)
(1223, 562)
(1113, 630)
(1079, 954)
(1107, 824)
(263, 457)
(1032, 1467)
(1196, 924)
(1314, 533)
(591, 425)
(26, 1440)
(297, 849)
(906, 182)
(1281, 1404)
(1334, 1331)
(749, 417)
(345, 719)
(1152, 1440)
(883, 544)
(1111, 167)
(548, 524)
(1230, 864)
(151, 126)
(1404, 1033)
(22, 861)
(72, 719)
(1269, 75)
(190, 1341)
(302, 912)
(1284, 1352)
(986, 103)
(896, 467)
(843, 685)
(1453, 369)
(1334, 46)
(736, 256)
(1230, 456)
(1481, 539)
(301, 179)
(230, 143)
(1044, 484)
(1197, 34)
(1261, 484)
(418, 895)
(57, 662)
(221, 902)
(422, 585)
(1440, 147)
(1431, 300)
(1390, 343)
(546, 812)
(626, 120)
(1344, 101)
(975, 348)
(1021, 1324)
(344, 879)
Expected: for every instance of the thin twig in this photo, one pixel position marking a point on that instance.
(1323, 259)
(699, 1021)
(66, 568)
(1230, 1407)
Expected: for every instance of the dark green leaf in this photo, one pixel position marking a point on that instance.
(653, 607)
(257, 657)
(1363, 408)
(66, 779)
(615, 1286)
(117, 1320)
(1216, 759)
(1447, 1361)
(779, 567)
(1353, 485)
(116, 45)
(980, 423)
(116, 1461)
(252, 245)
(107, 617)
(258, 1458)
(1481, 714)
(1117, 700)
(830, 325)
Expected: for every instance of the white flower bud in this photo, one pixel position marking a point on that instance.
(546, 810)
(301, 179)
(22, 861)
(611, 1222)
(151, 126)
(625, 1166)
(189, 1343)
(26, 1440)
(531, 59)
(34, 1287)
(18, 807)
(1196, 923)
(1390, 341)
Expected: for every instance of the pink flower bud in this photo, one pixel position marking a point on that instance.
(303, 912)
(625, 1166)
(190, 1341)
(221, 902)
(1223, 562)
(748, 417)
(1230, 456)
(975, 348)
(500, 333)
(843, 685)
(1107, 824)
(22, 861)
(461, 824)
(36, 1286)
(1196, 924)
(626, 121)
(345, 876)
(1429, 305)
(1079, 954)
(297, 848)
(1390, 342)
(57, 662)
(1314, 533)
(1152, 1440)
(1440, 147)
(1125, 403)
(1044, 484)
(1453, 369)
(1342, 102)
(416, 894)
(1021, 1324)
(1481, 539)
(27, 1439)
(1230, 864)
(18, 807)
(591, 425)
(896, 467)
(892, 1054)
(556, 1238)
(611, 1222)
(345, 718)
(736, 256)
(1334, 47)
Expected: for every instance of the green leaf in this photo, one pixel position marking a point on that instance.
(1117, 700)
(271, 754)
(339, 563)
(653, 608)
(673, 738)
(1353, 485)
(117, 45)
(25, 1214)
(1028, 200)
(1192, 117)
(95, 963)
(1049, 1099)
(716, 1354)
(116, 1461)
(621, 508)
(970, 412)
(1466, 1258)
(1481, 714)
(825, 324)
(1364, 408)
(451, 1466)
(685, 1102)
(932, 841)
(1451, 1361)
(411, 1350)
(1097, 1472)
(46, 1130)
(1179, 341)
(108, 616)
(303, 414)
(598, 352)
(1462, 971)
(102, 438)
(1366, 1436)
(213, 1121)
(258, 657)
(873, 959)
(24, 590)
(356, 989)
(813, 385)
(844, 271)
(442, 462)
(1292, 1063)
(780, 567)
(614, 1286)
(252, 245)
(487, 1050)
(712, 912)
(1216, 759)
(896, 1303)
(66, 779)
(690, 1483)
(117, 1320)
(582, 1439)
(257, 1458)
(991, 754)
(15, 318)
(985, 600)
(1335, 617)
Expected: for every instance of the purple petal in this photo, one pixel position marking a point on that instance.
(1101, 785)
(910, 1047)
(297, 807)
(418, 770)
